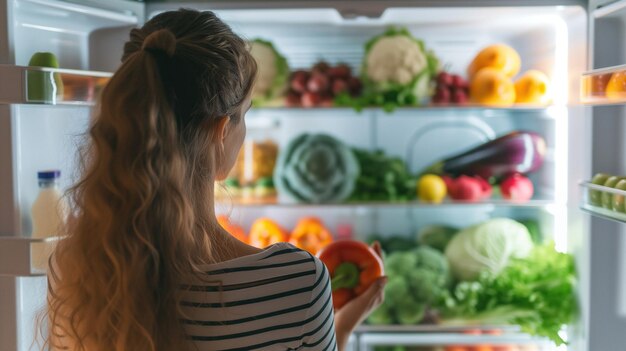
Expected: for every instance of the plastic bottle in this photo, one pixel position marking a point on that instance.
(48, 213)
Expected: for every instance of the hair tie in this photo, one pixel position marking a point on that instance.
(161, 41)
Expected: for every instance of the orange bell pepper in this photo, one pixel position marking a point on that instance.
(265, 232)
(233, 229)
(353, 267)
(310, 235)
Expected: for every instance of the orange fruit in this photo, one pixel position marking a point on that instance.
(533, 87)
(500, 57)
(616, 88)
(492, 88)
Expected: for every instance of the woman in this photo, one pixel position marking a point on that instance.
(145, 265)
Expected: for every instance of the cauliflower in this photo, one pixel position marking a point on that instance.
(397, 69)
(396, 59)
(272, 76)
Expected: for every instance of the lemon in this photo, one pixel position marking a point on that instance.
(431, 188)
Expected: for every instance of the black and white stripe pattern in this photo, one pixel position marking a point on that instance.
(279, 299)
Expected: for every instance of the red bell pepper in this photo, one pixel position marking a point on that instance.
(353, 267)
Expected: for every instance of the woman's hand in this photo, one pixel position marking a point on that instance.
(352, 314)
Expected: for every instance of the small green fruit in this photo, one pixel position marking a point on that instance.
(607, 198)
(595, 196)
(618, 200)
(42, 86)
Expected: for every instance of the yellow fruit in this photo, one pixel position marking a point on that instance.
(616, 88)
(533, 87)
(431, 188)
(500, 57)
(492, 88)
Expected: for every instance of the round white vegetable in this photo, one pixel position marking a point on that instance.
(266, 61)
(487, 247)
(396, 59)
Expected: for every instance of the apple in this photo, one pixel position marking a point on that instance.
(618, 200)
(517, 188)
(607, 198)
(40, 88)
(595, 196)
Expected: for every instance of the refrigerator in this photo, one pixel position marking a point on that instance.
(572, 41)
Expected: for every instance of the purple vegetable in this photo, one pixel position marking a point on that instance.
(516, 152)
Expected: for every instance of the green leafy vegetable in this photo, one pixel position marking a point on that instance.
(382, 178)
(272, 76)
(487, 246)
(436, 236)
(537, 293)
(316, 168)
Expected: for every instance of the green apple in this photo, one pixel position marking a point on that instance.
(595, 196)
(42, 86)
(618, 200)
(607, 198)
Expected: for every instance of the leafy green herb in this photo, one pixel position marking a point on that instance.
(537, 293)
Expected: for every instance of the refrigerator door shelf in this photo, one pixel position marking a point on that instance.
(603, 201)
(16, 253)
(604, 86)
(50, 86)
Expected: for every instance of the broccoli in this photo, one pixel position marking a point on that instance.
(382, 315)
(400, 264)
(418, 280)
(396, 289)
(410, 311)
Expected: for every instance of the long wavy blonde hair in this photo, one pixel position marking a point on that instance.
(143, 208)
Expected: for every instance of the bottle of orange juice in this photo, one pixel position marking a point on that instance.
(48, 212)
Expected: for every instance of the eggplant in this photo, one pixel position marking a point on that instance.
(516, 152)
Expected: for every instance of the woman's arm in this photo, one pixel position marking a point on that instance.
(354, 312)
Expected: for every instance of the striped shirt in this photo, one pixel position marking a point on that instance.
(278, 299)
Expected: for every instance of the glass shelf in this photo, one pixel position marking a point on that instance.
(600, 201)
(16, 253)
(605, 86)
(50, 86)
(530, 109)
(537, 203)
(438, 336)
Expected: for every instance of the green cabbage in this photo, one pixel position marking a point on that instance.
(316, 168)
(272, 75)
(487, 247)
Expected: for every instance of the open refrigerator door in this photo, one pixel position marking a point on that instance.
(44, 132)
(43, 113)
(603, 92)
